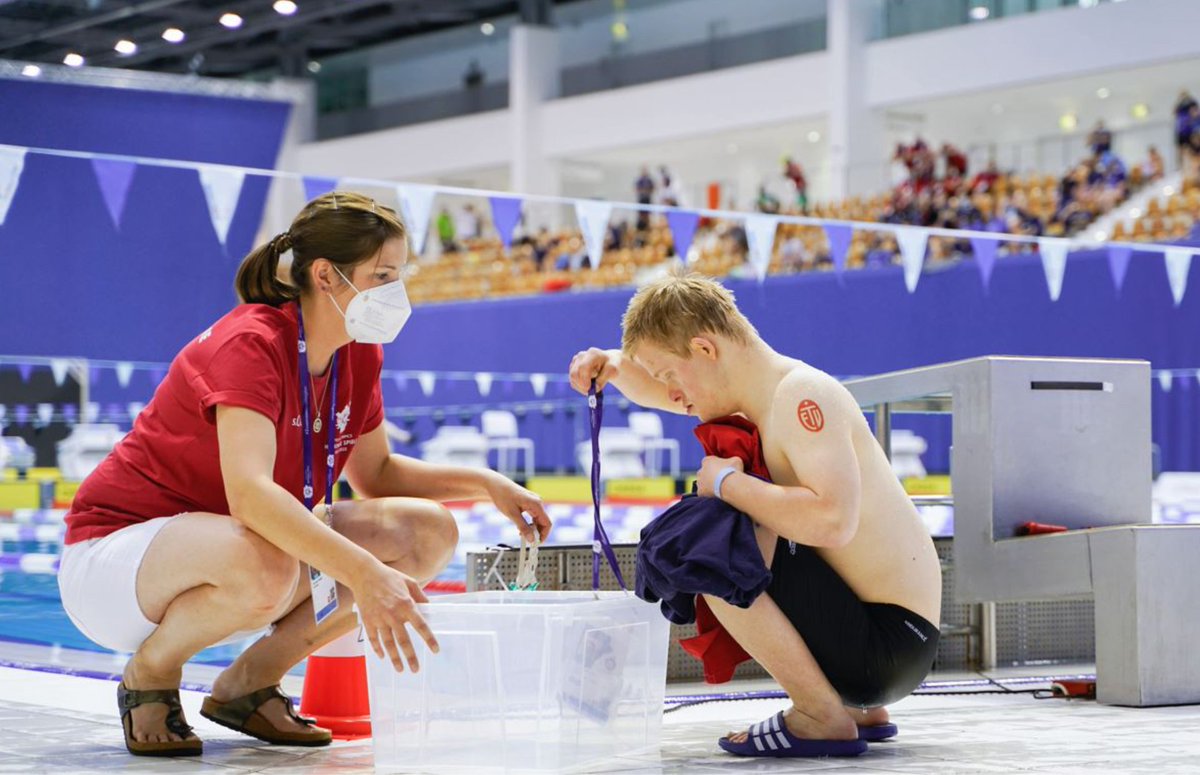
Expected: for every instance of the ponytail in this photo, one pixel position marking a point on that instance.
(257, 278)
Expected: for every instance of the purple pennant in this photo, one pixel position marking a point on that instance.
(985, 257)
(114, 177)
(1118, 264)
(70, 413)
(93, 374)
(506, 213)
(400, 381)
(839, 243)
(683, 228)
(21, 412)
(25, 370)
(314, 187)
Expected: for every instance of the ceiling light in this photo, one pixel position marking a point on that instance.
(487, 28)
(620, 31)
(31, 71)
(285, 7)
(1103, 93)
(814, 136)
(1168, 191)
(173, 35)
(314, 67)
(73, 60)
(980, 12)
(1067, 122)
(1139, 110)
(230, 21)
(125, 47)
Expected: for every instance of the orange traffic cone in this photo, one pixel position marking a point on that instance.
(335, 688)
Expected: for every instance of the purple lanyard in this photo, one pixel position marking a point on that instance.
(306, 420)
(600, 542)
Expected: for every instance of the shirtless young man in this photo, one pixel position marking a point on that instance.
(850, 621)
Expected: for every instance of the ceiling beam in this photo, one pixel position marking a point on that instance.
(57, 31)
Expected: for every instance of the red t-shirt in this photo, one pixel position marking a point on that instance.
(170, 464)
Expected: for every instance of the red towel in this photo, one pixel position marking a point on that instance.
(731, 436)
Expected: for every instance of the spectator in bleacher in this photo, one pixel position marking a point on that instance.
(1100, 139)
(984, 180)
(923, 164)
(668, 193)
(644, 189)
(1183, 121)
(468, 225)
(956, 161)
(795, 173)
(1153, 168)
(445, 230)
(766, 201)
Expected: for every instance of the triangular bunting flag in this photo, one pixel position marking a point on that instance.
(760, 238)
(222, 186)
(506, 214)
(483, 380)
(593, 223)
(683, 227)
(124, 371)
(114, 177)
(21, 412)
(70, 413)
(985, 258)
(400, 381)
(912, 243)
(1179, 262)
(315, 187)
(92, 412)
(45, 413)
(24, 369)
(839, 236)
(416, 202)
(1164, 381)
(59, 368)
(1053, 251)
(134, 408)
(538, 381)
(1118, 264)
(427, 379)
(12, 162)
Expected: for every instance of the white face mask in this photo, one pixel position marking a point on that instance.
(376, 315)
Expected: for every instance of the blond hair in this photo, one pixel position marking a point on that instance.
(672, 310)
(343, 227)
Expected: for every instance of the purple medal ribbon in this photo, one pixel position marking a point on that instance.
(600, 542)
(306, 421)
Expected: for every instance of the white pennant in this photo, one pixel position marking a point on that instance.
(222, 187)
(124, 372)
(91, 412)
(12, 161)
(483, 380)
(1053, 251)
(1164, 381)
(1179, 263)
(593, 222)
(45, 413)
(760, 237)
(912, 253)
(134, 408)
(417, 204)
(539, 384)
(427, 379)
(59, 369)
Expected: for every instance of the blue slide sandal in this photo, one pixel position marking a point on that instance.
(877, 732)
(772, 738)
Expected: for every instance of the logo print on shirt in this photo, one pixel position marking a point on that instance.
(810, 415)
(343, 418)
(205, 335)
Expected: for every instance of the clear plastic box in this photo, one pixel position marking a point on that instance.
(525, 681)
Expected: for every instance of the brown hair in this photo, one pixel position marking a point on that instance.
(670, 311)
(343, 227)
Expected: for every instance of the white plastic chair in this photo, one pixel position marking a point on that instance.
(87, 445)
(620, 454)
(500, 428)
(460, 445)
(648, 426)
(907, 448)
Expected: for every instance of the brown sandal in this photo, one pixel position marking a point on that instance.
(241, 715)
(128, 699)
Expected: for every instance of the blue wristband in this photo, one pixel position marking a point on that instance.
(726, 471)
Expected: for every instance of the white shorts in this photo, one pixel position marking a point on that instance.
(97, 580)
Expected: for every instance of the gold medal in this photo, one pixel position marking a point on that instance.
(317, 425)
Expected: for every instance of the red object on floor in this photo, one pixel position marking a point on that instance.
(335, 689)
(1038, 528)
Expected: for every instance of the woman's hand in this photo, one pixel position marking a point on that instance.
(387, 601)
(515, 502)
(706, 477)
(594, 364)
